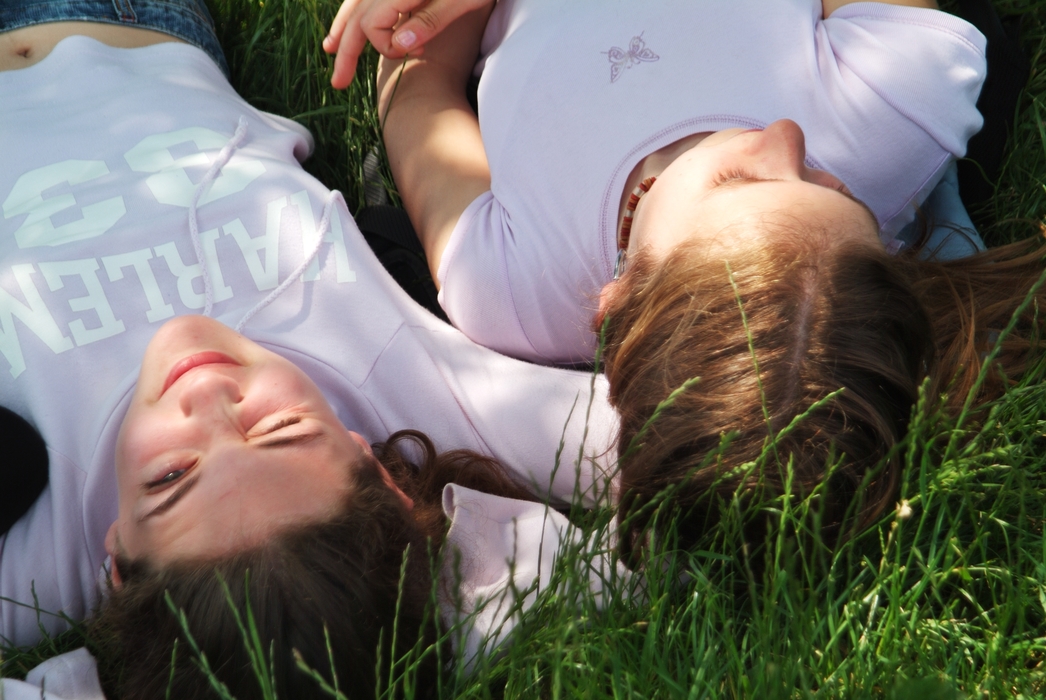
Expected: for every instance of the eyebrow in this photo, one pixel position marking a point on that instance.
(169, 502)
(179, 493)
(734, 182)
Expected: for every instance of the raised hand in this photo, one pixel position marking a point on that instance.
(394, 27)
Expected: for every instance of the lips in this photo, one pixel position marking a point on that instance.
(192, 362)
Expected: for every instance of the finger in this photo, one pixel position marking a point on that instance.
(333, 38)
(430, 20)
(356, 23)
(347, 41)
(353, 41)
(380, 21)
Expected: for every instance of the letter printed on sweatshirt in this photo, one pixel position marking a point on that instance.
(26, 197)
(187, 274)
(266, 273)
(139, 260)
(95, 300)
(171, 184)
(335, 236)
(34, 315)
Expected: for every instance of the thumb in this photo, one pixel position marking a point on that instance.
(430, 20)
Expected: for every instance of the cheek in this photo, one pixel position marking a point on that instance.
(128, 442)
(143, 436)
(268, 400)
(129, 453)
(286, 390)
(671, 218)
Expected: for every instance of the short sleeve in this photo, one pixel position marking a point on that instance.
(523, 297)
(903, 84)
(475, 281)
(69, 676)
(926, 64)
(499, 549)
(553, 427)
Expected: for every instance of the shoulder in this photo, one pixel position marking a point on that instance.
(830, 6)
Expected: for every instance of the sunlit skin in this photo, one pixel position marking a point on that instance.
(724, 190)
(224, 444)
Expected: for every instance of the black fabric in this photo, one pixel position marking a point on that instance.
(392, 238)
(23, 469)
(1008, 71)
(389, 234)
(472, 93)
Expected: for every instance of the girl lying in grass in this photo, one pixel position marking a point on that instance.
(718, 187)
(140, 189)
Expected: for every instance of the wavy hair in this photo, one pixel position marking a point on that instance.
(360, 582)
(802, 361)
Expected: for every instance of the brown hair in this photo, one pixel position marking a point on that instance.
(341, 577)
(803, 357)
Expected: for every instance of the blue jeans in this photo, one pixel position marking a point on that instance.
(187, 20)
(952, 233)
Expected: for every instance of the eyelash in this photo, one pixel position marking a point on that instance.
(731, 175)
(166, 480)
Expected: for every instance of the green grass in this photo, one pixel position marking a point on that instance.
(277, 63)
(1017, 209)
(945, 598)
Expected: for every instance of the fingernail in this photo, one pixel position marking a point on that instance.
(406, 39)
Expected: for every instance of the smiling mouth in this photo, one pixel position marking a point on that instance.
(192, 362)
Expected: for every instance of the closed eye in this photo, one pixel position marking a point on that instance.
(726, 176)
(741, 177)
(272, 436)
(283, 440)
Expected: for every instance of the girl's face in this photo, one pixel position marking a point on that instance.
(726, 188)
(224, 443)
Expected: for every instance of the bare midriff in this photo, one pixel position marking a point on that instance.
(21, 48)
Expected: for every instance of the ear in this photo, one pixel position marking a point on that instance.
(407, 501)
(608, 296)
(112, 546)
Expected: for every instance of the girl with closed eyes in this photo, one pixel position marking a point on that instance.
(719, 188)
(208, 348)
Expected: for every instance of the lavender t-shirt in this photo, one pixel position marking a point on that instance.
(103, 149)
(573, 95)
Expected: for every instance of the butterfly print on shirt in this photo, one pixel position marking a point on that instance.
(621, 59)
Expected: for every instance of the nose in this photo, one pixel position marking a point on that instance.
(783, 148)
(208, 393)
(785, 145)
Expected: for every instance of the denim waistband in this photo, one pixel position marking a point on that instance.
(188, 20)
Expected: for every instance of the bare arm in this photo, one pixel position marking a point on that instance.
(432, 134)
(830, 6)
